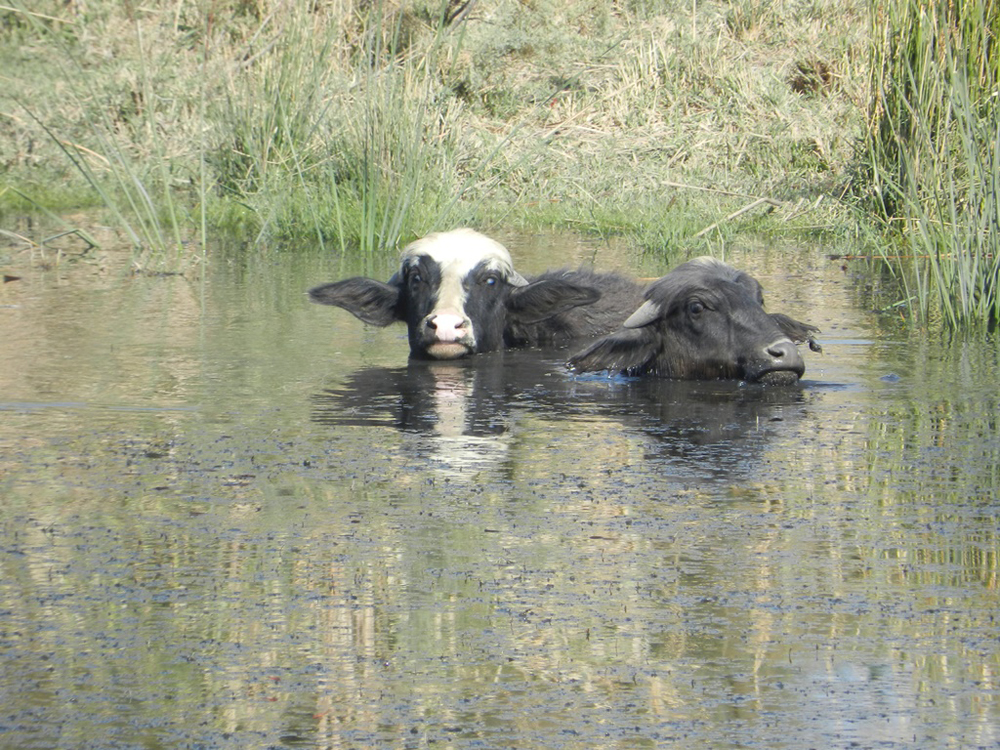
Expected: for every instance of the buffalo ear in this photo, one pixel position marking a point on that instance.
(631, 350)
(547, 297)
(797, 331)
(369, 300)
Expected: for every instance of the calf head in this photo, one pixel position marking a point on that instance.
(457, 292)
(704, 320)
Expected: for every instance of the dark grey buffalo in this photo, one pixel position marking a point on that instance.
(703, 321)
(459, 294)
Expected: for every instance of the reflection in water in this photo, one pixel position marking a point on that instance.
(466, 410)
(461, 397)
(704, 429)
(460, 407)
(228, 522)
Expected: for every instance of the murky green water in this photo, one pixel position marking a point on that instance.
(232, 519)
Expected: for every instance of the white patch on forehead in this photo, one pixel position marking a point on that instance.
(459, 251)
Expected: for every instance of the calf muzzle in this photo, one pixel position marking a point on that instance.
(447, 336)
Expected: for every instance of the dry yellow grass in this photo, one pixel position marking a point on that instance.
(654, 118)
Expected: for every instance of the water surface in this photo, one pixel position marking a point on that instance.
(232, 519)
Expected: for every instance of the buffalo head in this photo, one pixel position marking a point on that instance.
(458, 294)
(702, 321)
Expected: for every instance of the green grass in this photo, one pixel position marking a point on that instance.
(931, 173)
(134, 186)
(361, 125)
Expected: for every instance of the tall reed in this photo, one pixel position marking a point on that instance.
(137, 188)
(336, 128)
(933, 155)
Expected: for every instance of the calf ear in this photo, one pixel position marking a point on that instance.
(544, 298)
(630, 350)
(367, 299)
(796, 331)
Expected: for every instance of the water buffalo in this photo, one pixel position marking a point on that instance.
(459, 294)
(702, 321)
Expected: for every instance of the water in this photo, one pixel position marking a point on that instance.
(232, 519)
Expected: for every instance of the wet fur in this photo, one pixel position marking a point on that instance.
(552, 309)
(704, 320)
(616, 296)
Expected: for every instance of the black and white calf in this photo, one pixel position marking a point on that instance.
(703, 321)
(459, 294)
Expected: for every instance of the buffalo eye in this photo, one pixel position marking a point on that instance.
(415, 277)
(491, 280)
(695, 307)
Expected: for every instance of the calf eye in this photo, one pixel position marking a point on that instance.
(695, 307)
(490, 280)
(416, 278)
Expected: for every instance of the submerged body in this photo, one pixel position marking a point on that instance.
(458, 294)
(703, 321)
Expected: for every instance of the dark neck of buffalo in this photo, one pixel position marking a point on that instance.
(616, 296)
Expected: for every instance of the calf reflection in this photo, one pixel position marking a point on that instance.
(447, 398)
(459, 408)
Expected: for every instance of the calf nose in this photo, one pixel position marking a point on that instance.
(785, 355)
(447, 327)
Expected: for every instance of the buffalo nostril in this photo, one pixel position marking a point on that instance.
(781, 349)
(784, 355)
